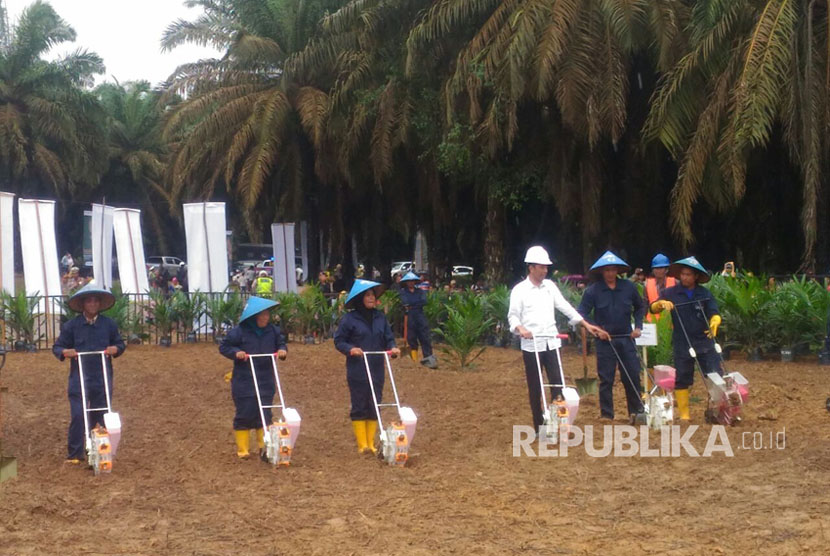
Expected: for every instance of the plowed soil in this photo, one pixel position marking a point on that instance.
(178, 488)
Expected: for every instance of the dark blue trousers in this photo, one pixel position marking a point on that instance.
(685, 364)
(607, 364)
(363, 408)
(417, 330)
(96, 397)
(247, 411)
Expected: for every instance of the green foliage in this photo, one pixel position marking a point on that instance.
(18, 313)
(661, 354)
(392, 308)
(164, 314)
(497, 303)
(797, 313)
(744, 304)
(435, 309)
(466, 324)
(51, 128)
(188, 308)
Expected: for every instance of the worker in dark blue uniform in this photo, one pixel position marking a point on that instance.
(89, 331)
(614, 302)
(254, 335)
(417, 328)
(693, 309)
(364, 328)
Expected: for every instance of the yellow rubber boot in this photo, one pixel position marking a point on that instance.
(243, 439)
(682, 397)
(359, 428)
(260, 439)
(414, 355)
(371, 430)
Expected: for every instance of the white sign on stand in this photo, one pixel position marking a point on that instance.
(648, 336)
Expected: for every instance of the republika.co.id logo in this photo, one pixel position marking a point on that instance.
(630, 441)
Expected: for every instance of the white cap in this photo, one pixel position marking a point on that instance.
(537, 255)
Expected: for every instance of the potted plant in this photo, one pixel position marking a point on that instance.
(796, 314)
(465, 326)
(744, 305)
(18, 312)
(497, 303)
(310, 305)
(164, 318)
(223, 310)
(189, 309)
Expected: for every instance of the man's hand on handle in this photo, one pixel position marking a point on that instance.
(241, 355)
(70, 353)
(596, 331)
(524, 332)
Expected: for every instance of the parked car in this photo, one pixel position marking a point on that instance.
(401, 267)
(461, 270)
(170, 263)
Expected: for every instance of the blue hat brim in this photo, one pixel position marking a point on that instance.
(702, 275)
(616, 261)
(360, 287)
(411, 277)
(256, 305)
(76, 302)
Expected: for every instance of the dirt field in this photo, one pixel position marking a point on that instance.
(177, 487)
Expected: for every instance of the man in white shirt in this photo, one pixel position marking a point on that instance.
(531, 315)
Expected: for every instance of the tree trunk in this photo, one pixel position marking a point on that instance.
(494, 242)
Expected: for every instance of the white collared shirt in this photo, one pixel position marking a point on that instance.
(533, 307)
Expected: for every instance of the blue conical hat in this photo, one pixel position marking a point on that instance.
(361, 286)
(694, 264)
(609, 259)
(76, 302)
(256, 305)
(411, 276)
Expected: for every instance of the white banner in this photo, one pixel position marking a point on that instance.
(40, 253)
(7, 243)
(285, 279)
(101, 239)
(207, 248)
(304, 249)
(132, 269)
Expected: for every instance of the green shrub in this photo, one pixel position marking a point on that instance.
(744, 304)
(465, 326)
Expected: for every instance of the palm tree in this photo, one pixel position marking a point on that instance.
(751, 68)
(566, 63)
(240, 126)
(50, 127)
(137, 152)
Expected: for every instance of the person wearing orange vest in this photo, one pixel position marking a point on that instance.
(657, 282)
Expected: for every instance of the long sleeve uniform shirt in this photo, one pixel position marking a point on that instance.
(82, 336)
(695, 307)
(613, 309)
(533, 307)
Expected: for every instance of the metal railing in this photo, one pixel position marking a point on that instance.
(155, 318)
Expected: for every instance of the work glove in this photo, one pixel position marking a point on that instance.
(228, 376)
(714, 322)
(661, 305)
